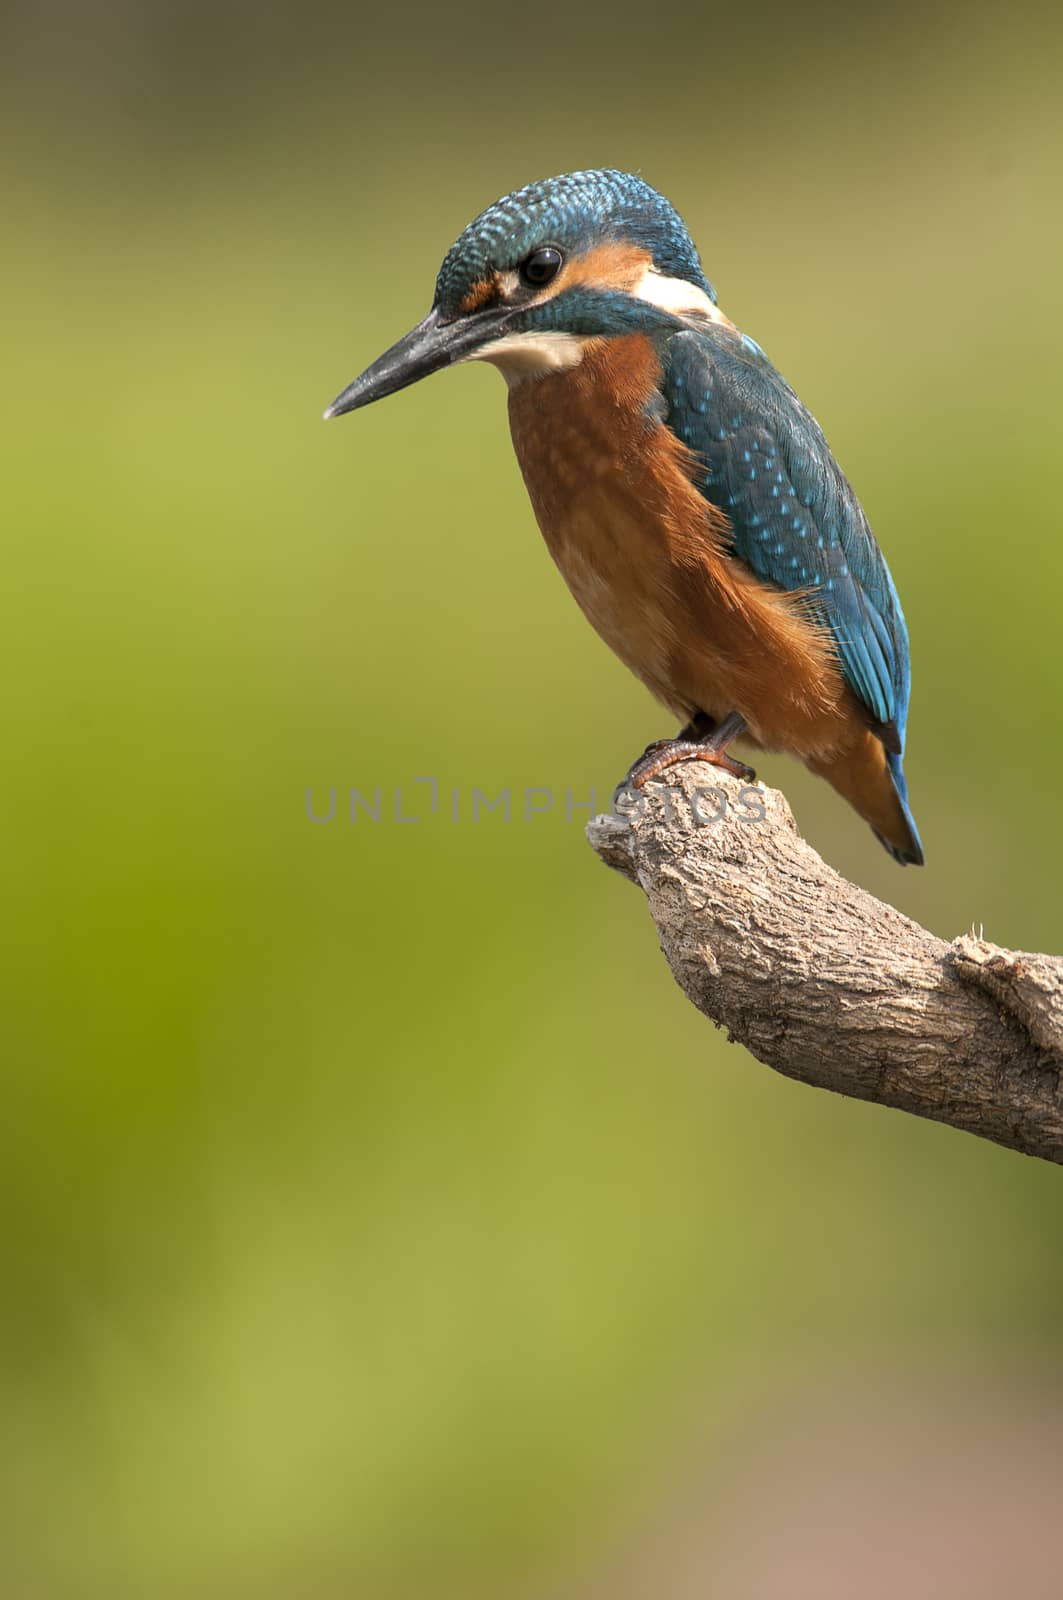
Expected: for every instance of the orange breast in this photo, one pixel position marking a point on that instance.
(646, 557)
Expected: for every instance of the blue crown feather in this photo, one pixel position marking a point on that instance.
(575, 211)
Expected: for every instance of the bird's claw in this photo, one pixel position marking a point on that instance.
(665, 753)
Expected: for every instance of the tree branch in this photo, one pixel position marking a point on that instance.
(827, 984)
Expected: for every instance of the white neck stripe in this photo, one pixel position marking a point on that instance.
(675, 295)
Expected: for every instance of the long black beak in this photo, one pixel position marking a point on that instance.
(433, 344)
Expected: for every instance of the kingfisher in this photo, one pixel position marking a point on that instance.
(688, 497)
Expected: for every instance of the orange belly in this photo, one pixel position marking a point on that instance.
(646, 558)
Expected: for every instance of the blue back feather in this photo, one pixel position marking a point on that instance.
(795, 518)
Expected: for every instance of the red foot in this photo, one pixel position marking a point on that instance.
(669, 752)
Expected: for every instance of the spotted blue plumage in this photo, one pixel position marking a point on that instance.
(793, 514)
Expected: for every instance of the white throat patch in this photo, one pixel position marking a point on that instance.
(519, 356)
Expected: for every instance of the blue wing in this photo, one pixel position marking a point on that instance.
(794, 516)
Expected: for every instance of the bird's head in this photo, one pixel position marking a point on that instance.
(589, 255)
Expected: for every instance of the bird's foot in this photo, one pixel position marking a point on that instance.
(669, 752)
(709, 745)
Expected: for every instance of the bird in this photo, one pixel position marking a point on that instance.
(687, 495)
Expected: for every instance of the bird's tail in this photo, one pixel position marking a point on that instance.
(872, 780)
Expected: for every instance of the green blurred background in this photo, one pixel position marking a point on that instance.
(378, 1218)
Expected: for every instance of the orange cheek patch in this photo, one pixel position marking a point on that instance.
(482, 294)
(607, 266)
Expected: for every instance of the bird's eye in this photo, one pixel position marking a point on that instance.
(542, 265)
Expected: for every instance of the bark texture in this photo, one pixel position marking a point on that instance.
(827, 984)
